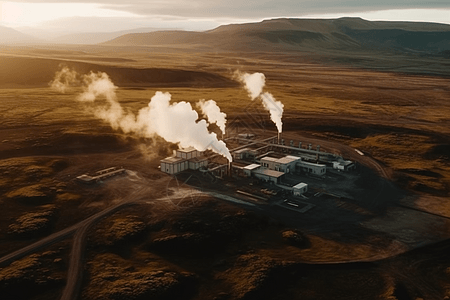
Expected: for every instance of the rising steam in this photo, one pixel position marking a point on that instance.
(254, 84)
(176, 122)
(212, 111)
(64, 78)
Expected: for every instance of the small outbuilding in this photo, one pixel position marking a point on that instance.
(86, 179)
(345, 165)
(300, 189)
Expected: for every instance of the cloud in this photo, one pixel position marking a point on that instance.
(253, 9)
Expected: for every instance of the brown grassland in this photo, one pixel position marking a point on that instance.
(213, 249)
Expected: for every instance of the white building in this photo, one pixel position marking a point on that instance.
(300, 189)
(345, 165)
(188, 153)
(173, 165)
(312, 168)
(285, 164)
(250, 168)
(184, 159)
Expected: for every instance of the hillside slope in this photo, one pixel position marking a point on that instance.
(28, 71)
(303, 34)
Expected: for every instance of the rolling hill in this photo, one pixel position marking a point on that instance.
(97, 37)
(38, 72)
(303, 34)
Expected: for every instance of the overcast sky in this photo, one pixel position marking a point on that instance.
(111, 15)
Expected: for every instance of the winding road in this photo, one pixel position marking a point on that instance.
(81, 229)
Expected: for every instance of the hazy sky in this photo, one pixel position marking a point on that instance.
(111, 15)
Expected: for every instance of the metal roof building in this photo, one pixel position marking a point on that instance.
(173, 165)
(268, 175)
(184, 159)
(283, 164)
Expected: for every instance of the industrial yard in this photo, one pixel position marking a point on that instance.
(290, 173)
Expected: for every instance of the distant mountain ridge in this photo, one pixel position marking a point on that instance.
(12, 36)
(98, 37)
(297, 34)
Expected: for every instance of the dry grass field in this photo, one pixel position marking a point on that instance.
(381, 106)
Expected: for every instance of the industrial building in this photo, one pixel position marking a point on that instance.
(268, 160)
(188, 153)
(100, 175)
(250, 168)
(243, 154)
(268, 175)
(284, 164)
(174, 165)
(184, 159)
(312, 168)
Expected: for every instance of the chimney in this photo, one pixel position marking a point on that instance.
(318, 150)
(279, 137)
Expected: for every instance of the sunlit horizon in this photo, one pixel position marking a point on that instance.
(96, 17)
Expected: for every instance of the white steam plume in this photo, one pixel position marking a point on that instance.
(275, 108)
(99, 85)
(64, 78)
(212, 111)
(254, 84)
(176, 123)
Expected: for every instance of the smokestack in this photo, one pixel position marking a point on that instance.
(318, 150)
(229, 168)
(278, 138)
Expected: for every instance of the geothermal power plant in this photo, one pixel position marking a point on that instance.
(277, 166)
(283, 166)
